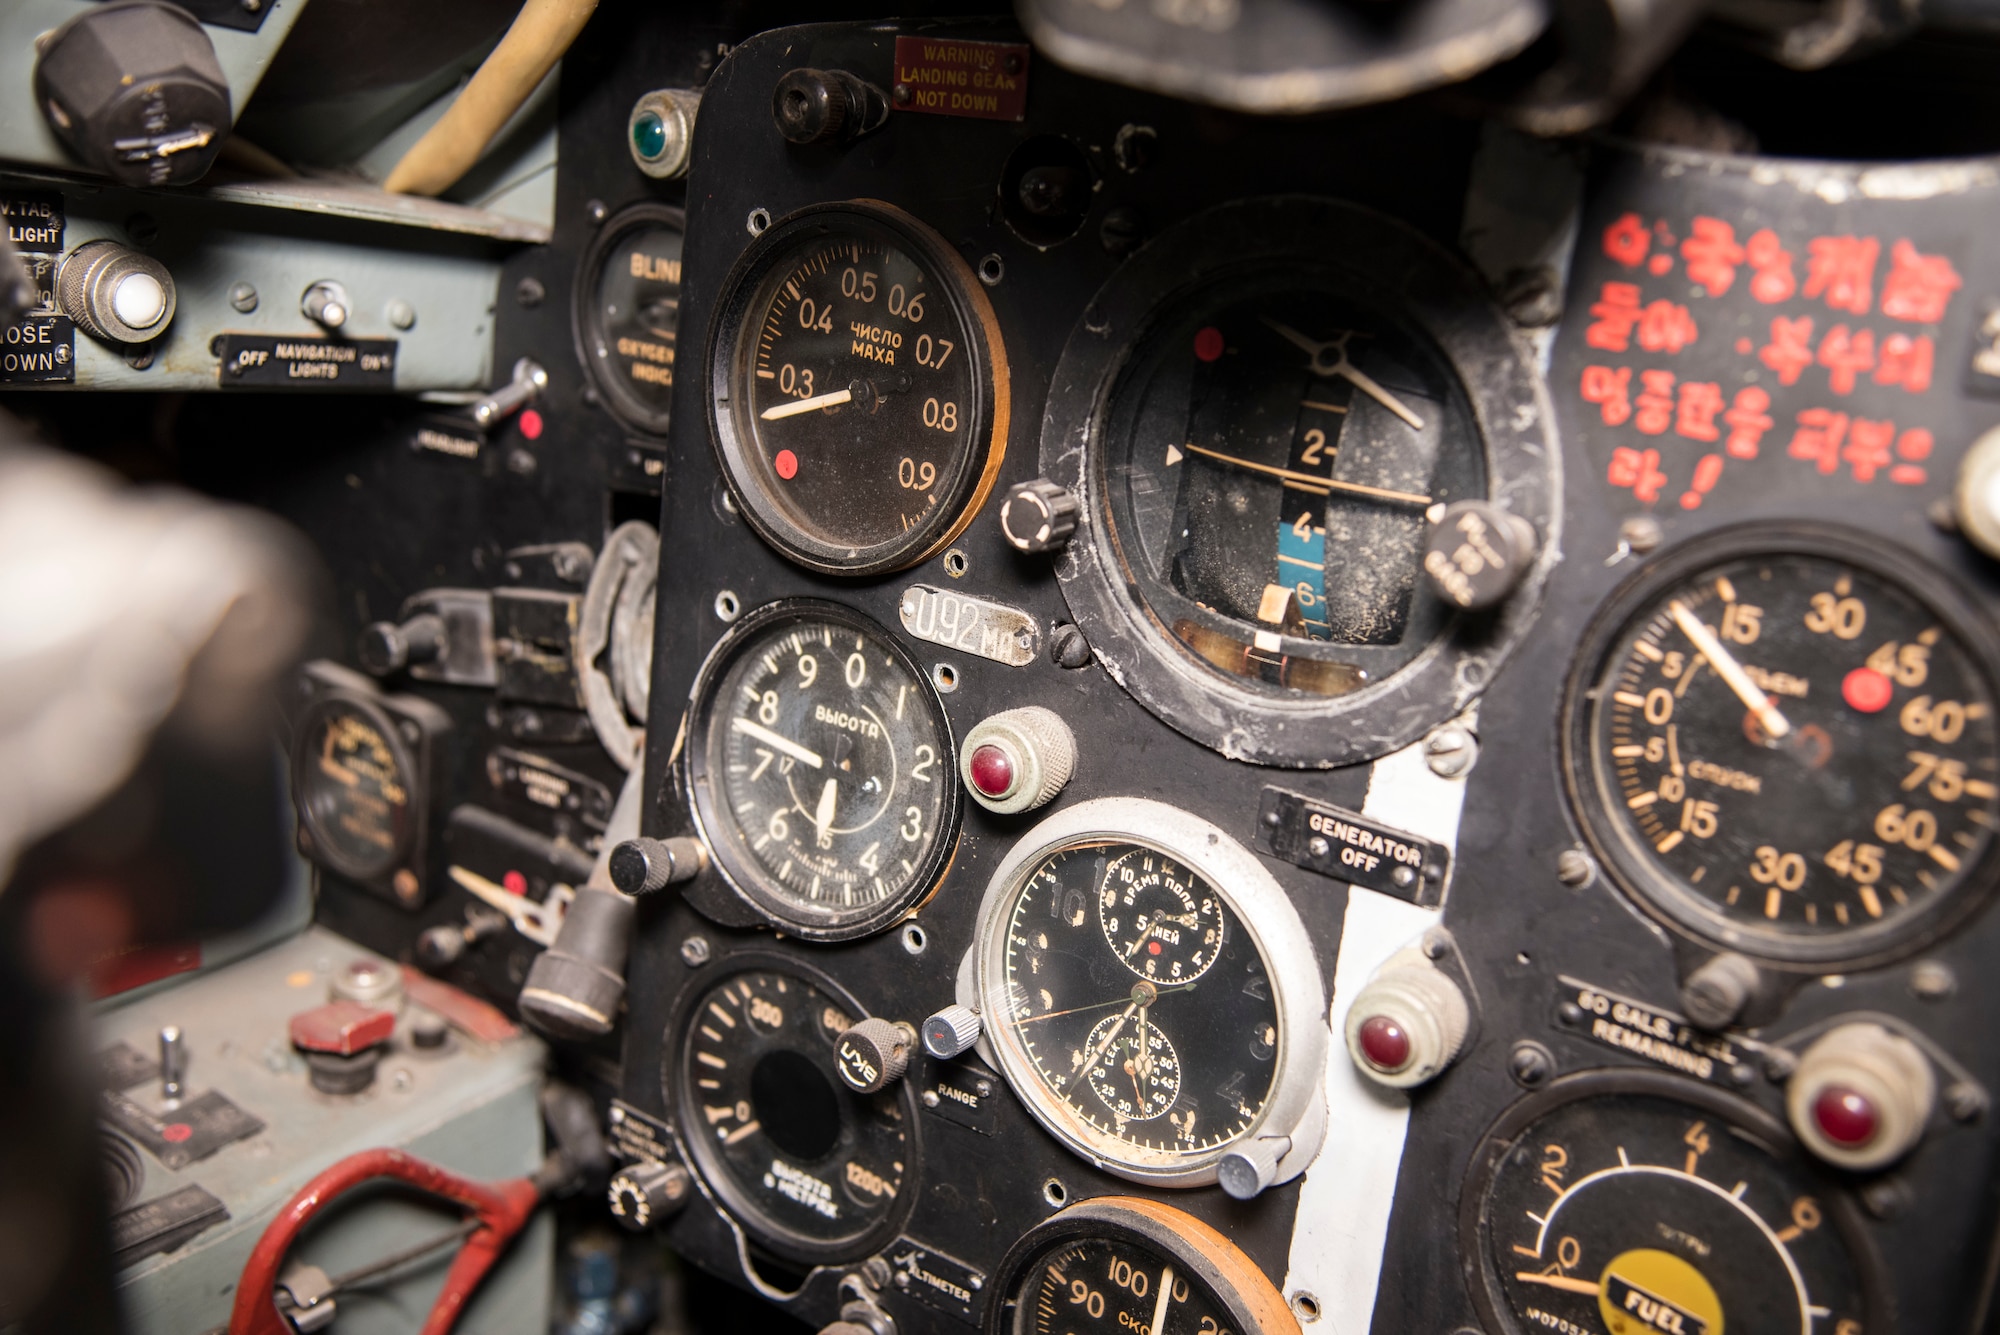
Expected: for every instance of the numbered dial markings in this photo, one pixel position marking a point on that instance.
(807, 1164)
(1793, 748)
(1165, 1066)
(354, 791)
(1156, 919)
(828, 791)
(1636, 1213)
(1116, 1286)
(855, 422)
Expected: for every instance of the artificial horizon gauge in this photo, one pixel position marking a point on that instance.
(1782, 740)
(627, 315)
(1277, 398)
(354, 782)
(811, 1168)
(821, 769)
(1116, 1264)
(1639, 1202)
(1150, 993)
(858, 388)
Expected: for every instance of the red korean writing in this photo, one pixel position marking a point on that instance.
(1639, 470)
(1842, 268)
(1919, 286)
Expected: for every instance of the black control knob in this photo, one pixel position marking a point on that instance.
(646, 866)
(386, 647)
(817, 106)
(575, 987)
(1038, 516)
(1475, 553)
(115, 293)
(134, 89)
(643, 1194)
(874, 1054)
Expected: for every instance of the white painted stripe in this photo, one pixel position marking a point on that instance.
(1349, 1190)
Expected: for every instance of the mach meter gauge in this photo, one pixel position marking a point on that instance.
(1782, 741)
(627, 316)
(1637, 1202)
(814, 1170)
(858, 389)
(1118, 1264)
(821, 770)
(1281, 402)
(1152, 996)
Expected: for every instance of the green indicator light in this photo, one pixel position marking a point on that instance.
(649, 136)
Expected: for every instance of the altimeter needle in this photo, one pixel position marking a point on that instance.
(1726, 667)
(1310, 481)
(777, 742)
(1345, 368)
(823, 814)
(811, 405)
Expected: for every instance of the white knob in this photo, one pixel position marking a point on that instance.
(951, 1031)
(1861, 1096)
(1252, 1166)
(1017, 760)
(1408, 1023)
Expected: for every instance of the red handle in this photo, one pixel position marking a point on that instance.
(501, 1207)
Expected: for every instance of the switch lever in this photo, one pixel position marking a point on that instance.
(527, 385)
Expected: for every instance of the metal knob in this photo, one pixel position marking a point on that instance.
(814, 106)
(115, 293)
(1038, 516)
(527, 385)
(1716, 993)
(644, 1193)
(1861, 1096)
(873, 1054)
(951, 1031)
(1476, 553)
(1017, 760)
(646, 866)
(1408, 1023)
(386, 647)
(1252, 1166)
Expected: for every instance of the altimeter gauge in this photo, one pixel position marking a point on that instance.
(1152, 996)
(1782, 740)
(820, 765)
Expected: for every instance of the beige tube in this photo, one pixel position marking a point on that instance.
(542, 31)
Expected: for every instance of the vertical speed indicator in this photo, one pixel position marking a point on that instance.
(859, 389)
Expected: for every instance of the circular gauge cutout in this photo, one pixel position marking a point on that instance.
(812, 1169)
(1118, 1264)
(352, 779)
(1638, 1202)
(821, 770)
(628, 301)
(1276, 398)
(1782, 741)
(1150, 992)
(858, 389)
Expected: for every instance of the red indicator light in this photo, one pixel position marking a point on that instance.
(1208, 343)
(1846, 1117)
(1867, 690)
(787, 465)
(1385, 1043)
(515, 883)
(992, 770)
(531, 424)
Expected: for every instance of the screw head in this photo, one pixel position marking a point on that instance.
(1451, 752)
(1932, 980)
(1964, 1100)
(530, 293)
(1575, 868)
(243, 298)
(1530, 1064)
(402, 314)
(595, 211)
(695, 951)
(1642, 533)
(1068, 648)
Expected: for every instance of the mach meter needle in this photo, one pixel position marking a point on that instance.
(813, 404)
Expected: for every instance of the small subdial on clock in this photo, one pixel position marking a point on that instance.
(1136, 1070)
(824, 779)
(1159, 920)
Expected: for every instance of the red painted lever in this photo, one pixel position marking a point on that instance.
(500, 1207)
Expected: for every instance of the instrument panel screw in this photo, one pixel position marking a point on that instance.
(595, 211)
(1067, 647)
(695, 951)
(530, 293)
(1886, 1198)
(243, 298)
(1964, 1100)
(1530, 1064)
(900, 94)
(1779, 1064)
(931, 1098)
(1641, 533)
(1932, 980)
(1575, 868)
(1452, 752)
(402, 314)
(1570, 1012)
